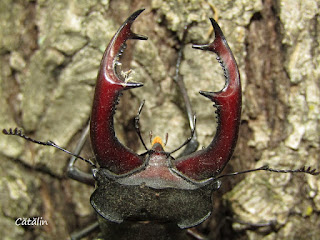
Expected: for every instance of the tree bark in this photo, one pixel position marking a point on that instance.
(50, 53)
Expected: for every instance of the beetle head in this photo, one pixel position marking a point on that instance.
(204, 164)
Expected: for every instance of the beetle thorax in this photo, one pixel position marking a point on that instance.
(158, 172)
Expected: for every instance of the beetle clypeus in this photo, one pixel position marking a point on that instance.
(153, 195)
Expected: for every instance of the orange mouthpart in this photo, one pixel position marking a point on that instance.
(157, 140)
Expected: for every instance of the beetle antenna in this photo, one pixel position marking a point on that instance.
(18, 132)
(137, 124)
(303, 169)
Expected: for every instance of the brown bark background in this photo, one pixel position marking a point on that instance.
(49, 55)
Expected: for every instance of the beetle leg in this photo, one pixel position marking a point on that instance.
(195, 234)
(210, 161)
(109, 152)
(191, 144)
(85, 231)
(72, 171)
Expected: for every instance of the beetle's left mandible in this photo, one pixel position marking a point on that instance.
(210, 161)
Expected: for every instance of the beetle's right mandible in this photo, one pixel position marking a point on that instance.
(108, 151)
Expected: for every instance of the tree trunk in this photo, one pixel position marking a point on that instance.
(50, 53)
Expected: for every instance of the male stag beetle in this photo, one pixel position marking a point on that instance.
(153, 195)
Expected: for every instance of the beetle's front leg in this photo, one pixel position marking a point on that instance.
(84, 232)
(193, 144)
(74, 172)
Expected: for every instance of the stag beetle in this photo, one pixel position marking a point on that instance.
(153, 195)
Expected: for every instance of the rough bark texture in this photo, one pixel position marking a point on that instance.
(49, 55)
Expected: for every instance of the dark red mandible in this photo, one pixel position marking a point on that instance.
(209, 162)
(109, 152)
(203, 164)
